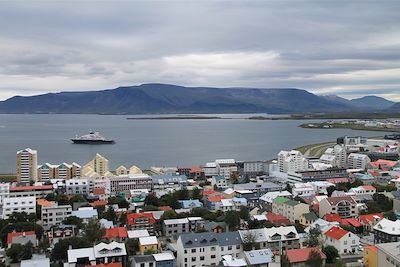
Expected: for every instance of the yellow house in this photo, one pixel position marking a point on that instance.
(371, 256)
(148, 243)
(308, 218)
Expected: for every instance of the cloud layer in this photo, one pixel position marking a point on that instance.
(349, 48)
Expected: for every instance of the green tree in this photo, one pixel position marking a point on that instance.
(170, 214)
(77, 199)
(314, 259)
(73, 220)
(330, 190)
(249, 241)
(244, 213)
(132, 245)
(27, 250)
(183, 194)
(109, 214)
(390, 215)
(15, 252)
(285, 261)
(288, 188)
(331, 253)
(150, 208)
(232, 219)
(196, 193)
(93, 231)
(59, 252)
(151, 199)
(150, 251)
(313, 238)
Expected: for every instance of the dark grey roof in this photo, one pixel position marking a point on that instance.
(252, 186)
(143, 258)
(192, 240)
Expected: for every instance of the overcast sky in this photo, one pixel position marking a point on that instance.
(348, 48)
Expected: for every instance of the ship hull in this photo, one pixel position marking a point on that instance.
(92, 142)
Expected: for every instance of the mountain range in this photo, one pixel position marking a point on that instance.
(165, 98)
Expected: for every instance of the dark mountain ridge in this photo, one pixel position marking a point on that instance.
(166, 98)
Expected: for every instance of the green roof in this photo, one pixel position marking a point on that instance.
(281, 200)
(310, 216)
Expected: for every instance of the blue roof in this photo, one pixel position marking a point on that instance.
(191, 203)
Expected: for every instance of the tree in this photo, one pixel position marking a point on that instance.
(285, 261)
(27, 250)
(183, 193)
(249, 241)
(314, 259)
(15, 252)
(150, 251)
(132, 245)
(93, 231)
(313, 238)
(150, 208)
(390, 215)
(73, 220)
(109, 214)
(59, 252)
(244, 213)
(39, 231)
(288, 188)
(169, 214)
(196, 193)
(330, 190)
(152, 200)
(331, 253)
(232, 219)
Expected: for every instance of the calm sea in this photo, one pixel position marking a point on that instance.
(148, 143)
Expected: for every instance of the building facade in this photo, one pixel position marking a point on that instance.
(27, 165)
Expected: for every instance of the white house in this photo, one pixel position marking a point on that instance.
(303, 190)
(18, 204)
(292, 161)
(344, 241)
(358, 161)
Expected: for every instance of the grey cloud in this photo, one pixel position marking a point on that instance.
(326, 47)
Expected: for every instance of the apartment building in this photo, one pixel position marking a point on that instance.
(97, 167)
(253, 168)
(54, 214)
(77, 186)
(345, 206)
(49, 171)
(27, 165)
(335, 156)
(303, 190)
(258, 188)
(226, 167)
(4, 191)
(98, 254)
(154, 260)
(278, 239)
(175, 227)
(388, 254)
(18, 204)
(292, 161)
(358, 161)
(386, 231)
(291, 209)
(126, 183)
(344, 241)
(169, 181)
(37, 191)
(144, 221)
(205, 249)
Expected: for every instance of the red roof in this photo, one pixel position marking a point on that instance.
(114, 264)
(208, 192)
(215, 198)
(31, 188)
(45, 203)
(334, 217)
(367, 218)
(368, 187)
(164, 208)
(99, 203)
(10, 236)
(196, 169)
(336, 232)
(99, 191)
(383, 162)
(372, 248)
(337, 180)
(120, 232)
(302, 254)
(277, 219)
(132, 217)
(351, 222)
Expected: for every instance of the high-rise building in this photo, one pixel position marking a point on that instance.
(26, 165)
(96, 167)
(292, 161)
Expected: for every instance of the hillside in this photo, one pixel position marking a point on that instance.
(164, 98)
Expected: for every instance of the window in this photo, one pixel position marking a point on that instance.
(193, 250)
(229, 247)
(193, 258)
(202, 258)
(212, 256)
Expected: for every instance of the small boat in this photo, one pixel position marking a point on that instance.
(92, 138)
